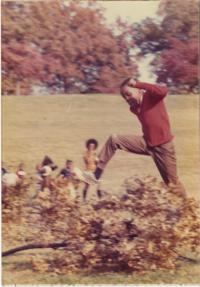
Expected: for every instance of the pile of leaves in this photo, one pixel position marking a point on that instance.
(13, 202)
(145, 227)
(14, 214)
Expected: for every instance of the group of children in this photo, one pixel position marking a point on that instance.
(69, 176)
(13, 179)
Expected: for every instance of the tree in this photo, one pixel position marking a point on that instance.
(173, 39)
(149, 37)
(180, 18)
(178, 66)
(22, 67)
(75, 48)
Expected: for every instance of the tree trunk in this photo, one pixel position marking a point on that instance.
(34, 246)
(18, 87)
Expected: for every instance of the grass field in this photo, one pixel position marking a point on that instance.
(59, 125)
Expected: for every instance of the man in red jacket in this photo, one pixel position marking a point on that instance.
(146, 102)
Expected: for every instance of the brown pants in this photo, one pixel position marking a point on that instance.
(164, 155)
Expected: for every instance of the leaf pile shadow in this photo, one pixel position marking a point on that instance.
(144, 228)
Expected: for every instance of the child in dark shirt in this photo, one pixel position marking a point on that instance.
(67, 171)
(70, 177)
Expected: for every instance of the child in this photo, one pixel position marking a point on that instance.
(13, 179)
(44, 171)
(70, 171)
(67, 171)
(3, 171)
(90, 159)
(70, 177)
(9, 179)
(20, 172)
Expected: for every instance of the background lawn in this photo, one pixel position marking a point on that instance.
(59, 125)
(33, 126)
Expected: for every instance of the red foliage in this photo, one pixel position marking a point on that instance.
(68, 47)
(179, 64)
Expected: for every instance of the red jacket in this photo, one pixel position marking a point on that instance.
(153, 114)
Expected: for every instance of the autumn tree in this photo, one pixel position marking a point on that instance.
(149, 37)
(178, 19)
(173, 39)
(178, 65)
(75, 48)
(22, 67)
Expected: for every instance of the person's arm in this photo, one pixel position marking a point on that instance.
(86, 157)
(158, 92)
(61, 173)
(42, 170)
(96, 159)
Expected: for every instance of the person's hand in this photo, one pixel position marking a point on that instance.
(132, 83)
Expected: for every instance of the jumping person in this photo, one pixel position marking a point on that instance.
(146, 101)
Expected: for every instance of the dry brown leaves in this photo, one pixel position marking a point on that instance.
(143, 229)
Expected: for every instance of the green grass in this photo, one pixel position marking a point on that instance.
(17, 270)
(58, 126)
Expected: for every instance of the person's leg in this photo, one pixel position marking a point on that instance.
(85, 191)
(46, 183)
(164, 157)
(129, 143)
(43, 183)
(99, 193)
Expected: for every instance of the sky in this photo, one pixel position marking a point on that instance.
(133, 11)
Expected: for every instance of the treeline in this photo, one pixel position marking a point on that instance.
(67, 47)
